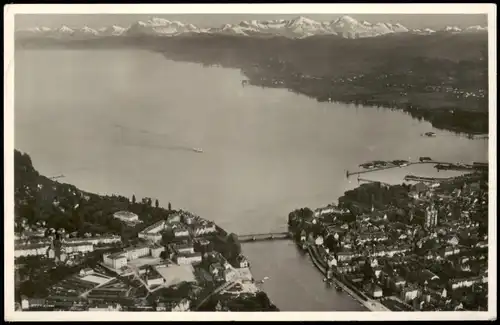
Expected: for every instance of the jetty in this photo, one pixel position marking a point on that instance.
(458, 167)
(371, 181)
(426, 179)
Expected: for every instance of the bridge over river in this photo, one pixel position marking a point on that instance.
(264, 236)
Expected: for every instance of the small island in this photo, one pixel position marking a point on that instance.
(409, 247)
(79, 251)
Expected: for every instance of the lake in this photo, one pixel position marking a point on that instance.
(125, 122)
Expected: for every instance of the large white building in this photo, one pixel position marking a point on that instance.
(203, 229)
(136, 252)
(184, 249)
(120, 259)
(189, 258)
(84, 247)
(325, 210)
(181, 232)
(152, 232)
(126, 216)
(94, 240)
(116, 261)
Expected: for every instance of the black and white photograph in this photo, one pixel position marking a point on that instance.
(333, 160)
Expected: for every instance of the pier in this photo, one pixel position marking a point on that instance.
(371, 181)
(264, 237)
(425, 179)
(462, 166)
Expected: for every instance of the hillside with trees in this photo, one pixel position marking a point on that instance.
(38, 198)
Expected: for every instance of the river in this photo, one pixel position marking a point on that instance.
(125, 122)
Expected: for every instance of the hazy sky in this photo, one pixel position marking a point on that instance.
(434, 21)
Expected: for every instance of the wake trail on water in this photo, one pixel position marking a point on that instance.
(130, 130)
(154, 146)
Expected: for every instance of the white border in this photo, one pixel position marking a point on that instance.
(448, 8)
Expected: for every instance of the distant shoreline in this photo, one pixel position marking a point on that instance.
(254, 58)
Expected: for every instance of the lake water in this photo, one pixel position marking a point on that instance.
(125, 122)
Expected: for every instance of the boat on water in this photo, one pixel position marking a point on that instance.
(199, 150)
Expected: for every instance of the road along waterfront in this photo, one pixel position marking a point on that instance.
(371, 304)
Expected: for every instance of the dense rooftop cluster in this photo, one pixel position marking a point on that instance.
(124, 256)
(420, 246)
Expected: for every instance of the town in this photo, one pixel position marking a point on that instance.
(149, 259)
(172, 266)
(409, 247)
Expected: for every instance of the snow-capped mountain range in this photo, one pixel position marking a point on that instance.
(299, 27)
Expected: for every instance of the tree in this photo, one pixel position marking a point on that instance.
(150, 202)
(157, 203)
(234, 246)
(133, 199)
(367, 271)
(169, 206)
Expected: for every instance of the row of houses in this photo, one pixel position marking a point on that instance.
(468, 282)
(48, 250)
(108, 239)
(190, 227)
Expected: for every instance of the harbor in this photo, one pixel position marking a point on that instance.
(384, 165)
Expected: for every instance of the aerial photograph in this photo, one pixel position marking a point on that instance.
(251, 162)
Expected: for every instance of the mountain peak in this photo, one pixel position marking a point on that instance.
(347, 19)
(476, 28)
(297, 27)
(159, 21)
(452, 29)
(301, 20)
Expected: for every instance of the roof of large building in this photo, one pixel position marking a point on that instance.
(160, 224)
(78, 244)
(116, 256)
(31, 246)
(125, 214)
(133, 248)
